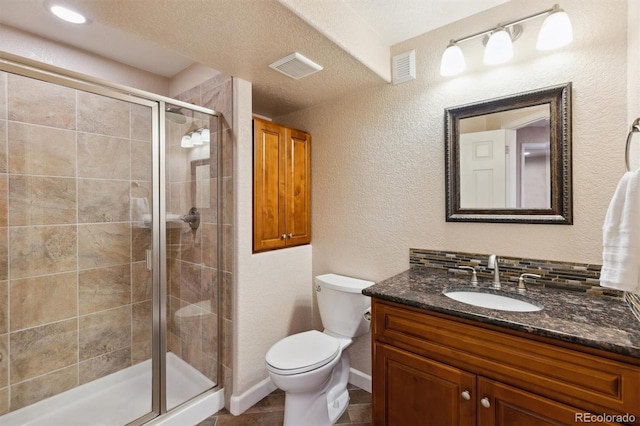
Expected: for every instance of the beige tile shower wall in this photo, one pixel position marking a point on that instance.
(75, 303)
(192, 256)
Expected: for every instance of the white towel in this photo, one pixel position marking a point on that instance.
(621, 237)
(139, 208)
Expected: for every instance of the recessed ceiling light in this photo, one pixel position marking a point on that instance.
(65, 14)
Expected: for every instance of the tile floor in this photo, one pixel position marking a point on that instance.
(270, 412)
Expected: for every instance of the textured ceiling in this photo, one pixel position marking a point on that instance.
(241, 38)
(400, 20)
(238, 37)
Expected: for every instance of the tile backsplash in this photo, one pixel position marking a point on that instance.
(574, 276)
(633, 300)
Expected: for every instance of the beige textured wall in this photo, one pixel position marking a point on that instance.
(272, 290)
(29, 46)
(378, 155)
(633, 56)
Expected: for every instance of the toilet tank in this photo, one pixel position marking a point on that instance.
(342, 304)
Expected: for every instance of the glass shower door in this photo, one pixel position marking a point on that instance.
(75, 226)
(191, 211)
(108, 251)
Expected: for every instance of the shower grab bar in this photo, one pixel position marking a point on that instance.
(635, 128)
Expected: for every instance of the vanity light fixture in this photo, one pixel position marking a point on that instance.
(499, 48)
(186, 141)
(556, 32)
(205, 135)
(196, 137)
(66, 14)
(453, 62)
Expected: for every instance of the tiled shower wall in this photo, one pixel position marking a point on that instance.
(192, 254)
(74, 293)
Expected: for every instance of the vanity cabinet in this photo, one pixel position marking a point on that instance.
(435, 369)
(414, 390)
(281, 186)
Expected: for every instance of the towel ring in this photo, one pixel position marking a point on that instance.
(635, 128)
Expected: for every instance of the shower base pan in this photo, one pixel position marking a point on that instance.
(116, 399)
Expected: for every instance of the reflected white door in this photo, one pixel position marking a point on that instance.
(484, 166)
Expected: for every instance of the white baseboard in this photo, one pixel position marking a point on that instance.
(241, 403)
(360, 379)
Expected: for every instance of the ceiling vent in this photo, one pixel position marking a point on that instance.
(404, 67)
(296, 66)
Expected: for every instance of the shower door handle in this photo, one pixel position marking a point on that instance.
(149, 259)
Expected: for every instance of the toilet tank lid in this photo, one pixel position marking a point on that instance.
(342, 283)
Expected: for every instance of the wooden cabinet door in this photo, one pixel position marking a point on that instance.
(412, 390)
(298, 175)
(505, 405)
(269, 190)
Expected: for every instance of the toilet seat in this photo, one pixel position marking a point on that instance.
(302, 352)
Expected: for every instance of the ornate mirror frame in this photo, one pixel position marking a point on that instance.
(561, 212)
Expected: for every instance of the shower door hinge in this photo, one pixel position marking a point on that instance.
(149, 259)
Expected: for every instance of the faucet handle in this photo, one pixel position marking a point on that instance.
(491, 262)
(474, 276)
(521, 287)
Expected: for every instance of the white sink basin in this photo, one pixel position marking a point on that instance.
(492, 301)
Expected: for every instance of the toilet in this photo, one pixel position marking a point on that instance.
(312, 367)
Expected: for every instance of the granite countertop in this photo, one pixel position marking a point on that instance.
(601, 322)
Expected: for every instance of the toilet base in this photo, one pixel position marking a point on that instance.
(324, 406)
(337, 394)
(339, 406)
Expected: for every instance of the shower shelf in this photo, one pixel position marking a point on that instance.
(173, 221)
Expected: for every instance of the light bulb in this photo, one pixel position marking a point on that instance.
(453, 62)
(205, 135)
(196, 139)
(499, 48)
(67, 15)
(556, 31)
(186, 142)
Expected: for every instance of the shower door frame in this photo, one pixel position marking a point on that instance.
(18, 65)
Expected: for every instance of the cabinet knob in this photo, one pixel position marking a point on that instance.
(290, 236)
(283, 236)
(466, 395)
(485, 402)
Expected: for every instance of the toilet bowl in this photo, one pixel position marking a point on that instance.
(312, 367)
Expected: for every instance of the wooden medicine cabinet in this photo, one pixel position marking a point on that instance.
(281, 186)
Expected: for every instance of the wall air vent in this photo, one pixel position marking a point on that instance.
(296, 66)
(404, 67)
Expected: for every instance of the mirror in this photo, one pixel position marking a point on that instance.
(508, 159)
(200, 183)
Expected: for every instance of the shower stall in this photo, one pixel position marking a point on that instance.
(110, 268)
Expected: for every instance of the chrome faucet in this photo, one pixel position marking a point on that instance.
(521, 287)
(493, 263)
